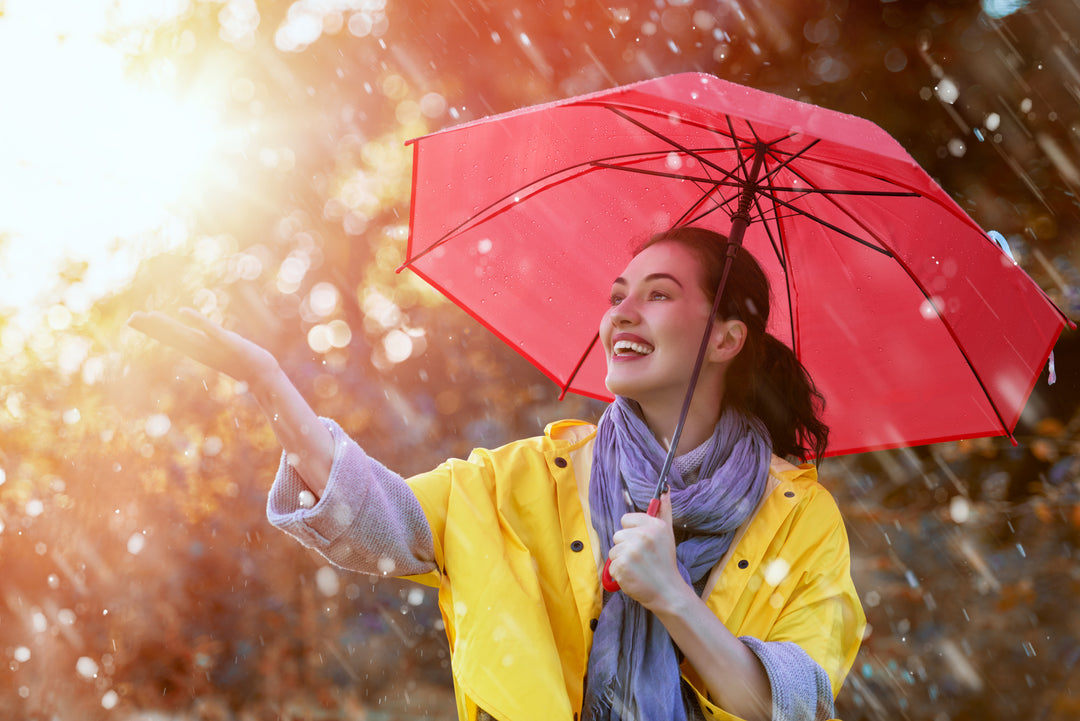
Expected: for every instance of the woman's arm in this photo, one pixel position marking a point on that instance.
(307, 443)
(643, 562)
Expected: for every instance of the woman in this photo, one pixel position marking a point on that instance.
(736, 600)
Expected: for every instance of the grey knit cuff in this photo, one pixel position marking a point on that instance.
(367, 520)
(801, 689)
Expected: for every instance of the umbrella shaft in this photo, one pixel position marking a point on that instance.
(739, 221)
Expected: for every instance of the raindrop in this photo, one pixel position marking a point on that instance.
(992, 122)
(911, 579)
(327, 581)
(416, 596)
(136, 543)
(157, 425)
(776, 571)
(54, 581)
(959, 509)
(34, 508)
(398, 346)
(306, 499)
(947, 91)
(22, 654)
(72, 416)
(110, 699)
(895, 60)
(86, 667)
(324, 298)
(928, 308)
(386, 566)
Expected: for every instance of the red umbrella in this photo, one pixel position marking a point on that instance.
(914, 325)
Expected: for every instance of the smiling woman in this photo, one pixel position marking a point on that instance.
(89, 157)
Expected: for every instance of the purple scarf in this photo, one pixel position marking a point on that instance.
(633, 671)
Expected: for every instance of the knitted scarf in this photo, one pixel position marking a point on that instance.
(633, 670)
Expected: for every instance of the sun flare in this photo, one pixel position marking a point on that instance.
(90, 160)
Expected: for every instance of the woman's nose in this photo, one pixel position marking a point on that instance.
(623, 313)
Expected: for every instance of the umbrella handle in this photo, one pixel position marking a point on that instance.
(609, 583)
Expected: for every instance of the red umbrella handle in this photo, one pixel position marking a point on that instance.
(609, 583)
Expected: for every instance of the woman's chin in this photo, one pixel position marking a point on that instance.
(621, 387)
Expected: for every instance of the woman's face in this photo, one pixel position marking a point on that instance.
(652, 330)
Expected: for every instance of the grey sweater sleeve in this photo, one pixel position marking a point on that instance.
(367, 520)
(801, 689)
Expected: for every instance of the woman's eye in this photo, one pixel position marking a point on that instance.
(615, 299)
(657, 295)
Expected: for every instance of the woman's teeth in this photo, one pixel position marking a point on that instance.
(623, 347)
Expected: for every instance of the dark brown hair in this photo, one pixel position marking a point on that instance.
(766, 379)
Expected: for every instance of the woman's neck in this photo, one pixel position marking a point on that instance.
(700, 424)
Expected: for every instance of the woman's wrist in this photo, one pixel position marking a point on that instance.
(675, 601)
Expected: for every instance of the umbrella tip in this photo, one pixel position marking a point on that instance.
(1000, 241)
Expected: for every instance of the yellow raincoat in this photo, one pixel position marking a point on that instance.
(518, 574)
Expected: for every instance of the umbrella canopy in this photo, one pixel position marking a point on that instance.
(915, 326)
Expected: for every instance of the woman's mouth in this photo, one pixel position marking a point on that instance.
(625, 348)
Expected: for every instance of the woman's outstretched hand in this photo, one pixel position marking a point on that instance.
(199, 338)
(308, 443)
(643, 557)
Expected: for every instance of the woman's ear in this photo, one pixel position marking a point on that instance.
(729, 337)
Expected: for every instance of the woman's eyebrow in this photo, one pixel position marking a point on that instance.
(650, 277)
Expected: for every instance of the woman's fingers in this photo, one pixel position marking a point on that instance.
(643, 554)
(204, 341)
(167, 330)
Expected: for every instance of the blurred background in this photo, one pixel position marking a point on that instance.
(247, 159)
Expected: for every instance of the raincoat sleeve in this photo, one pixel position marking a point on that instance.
(367, 520)
(798, 611)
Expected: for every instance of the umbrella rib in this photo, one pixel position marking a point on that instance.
(779, 249)
(482, 214)
(948, 326)
(734, 183)
(830, 226)
(773, 241)
(693, 154)
(581, 361)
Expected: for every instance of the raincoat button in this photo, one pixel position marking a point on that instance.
(790, 494)
(593, 623)
(577, 546)
(743, 563)
(560, 462)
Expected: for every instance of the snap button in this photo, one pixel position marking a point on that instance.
(593, 623)
(743, 563)
(790, 494)
(560, 462)
(577, 546)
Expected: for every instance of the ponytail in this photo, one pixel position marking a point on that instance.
(781, 394)
(766, 380)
